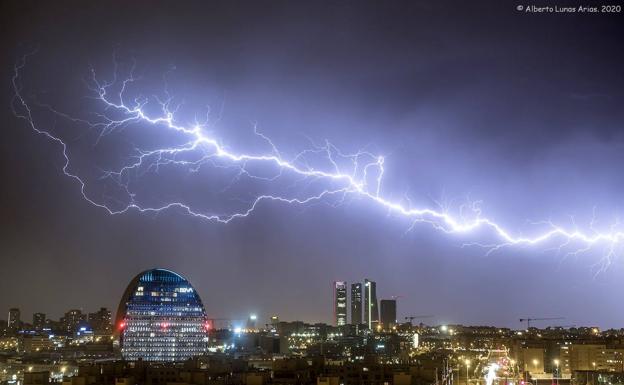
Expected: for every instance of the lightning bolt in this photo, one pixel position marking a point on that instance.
(343, 175)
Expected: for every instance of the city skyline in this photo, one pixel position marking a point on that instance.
(345, 303)
(468, 109)
(161, 329)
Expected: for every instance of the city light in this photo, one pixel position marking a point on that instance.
(276, 193)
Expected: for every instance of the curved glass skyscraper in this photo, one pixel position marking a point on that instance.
(161, 318)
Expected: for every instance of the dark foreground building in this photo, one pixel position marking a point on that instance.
(161, 318)
(356, 303)
(388, 313)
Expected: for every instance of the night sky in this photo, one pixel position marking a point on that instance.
(477, 102)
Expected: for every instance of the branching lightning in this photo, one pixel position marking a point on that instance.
(343, 175)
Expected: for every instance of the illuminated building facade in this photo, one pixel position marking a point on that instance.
(356, 303)
(71, 320)
(161, 318)
(340, 303)
(101, 321)
(371, 311)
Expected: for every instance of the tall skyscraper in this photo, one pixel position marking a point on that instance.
(14, 322)
(356, 303)
(39, 321)
(340, 303)
(388, 313)
(371, 311)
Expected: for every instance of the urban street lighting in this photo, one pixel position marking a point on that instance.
(535, 362)
(556, 362)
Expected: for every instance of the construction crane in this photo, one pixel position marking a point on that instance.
(413, 317)
(529, 320)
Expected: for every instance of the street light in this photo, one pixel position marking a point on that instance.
(535, 362)
(467, 375)
(556, 362)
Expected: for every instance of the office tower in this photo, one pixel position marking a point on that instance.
(39, 321)
(388, 312)
(340, 303)
(161, 318)
(371, 311)
(14, 322)
(356, 303)
(101, 321)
